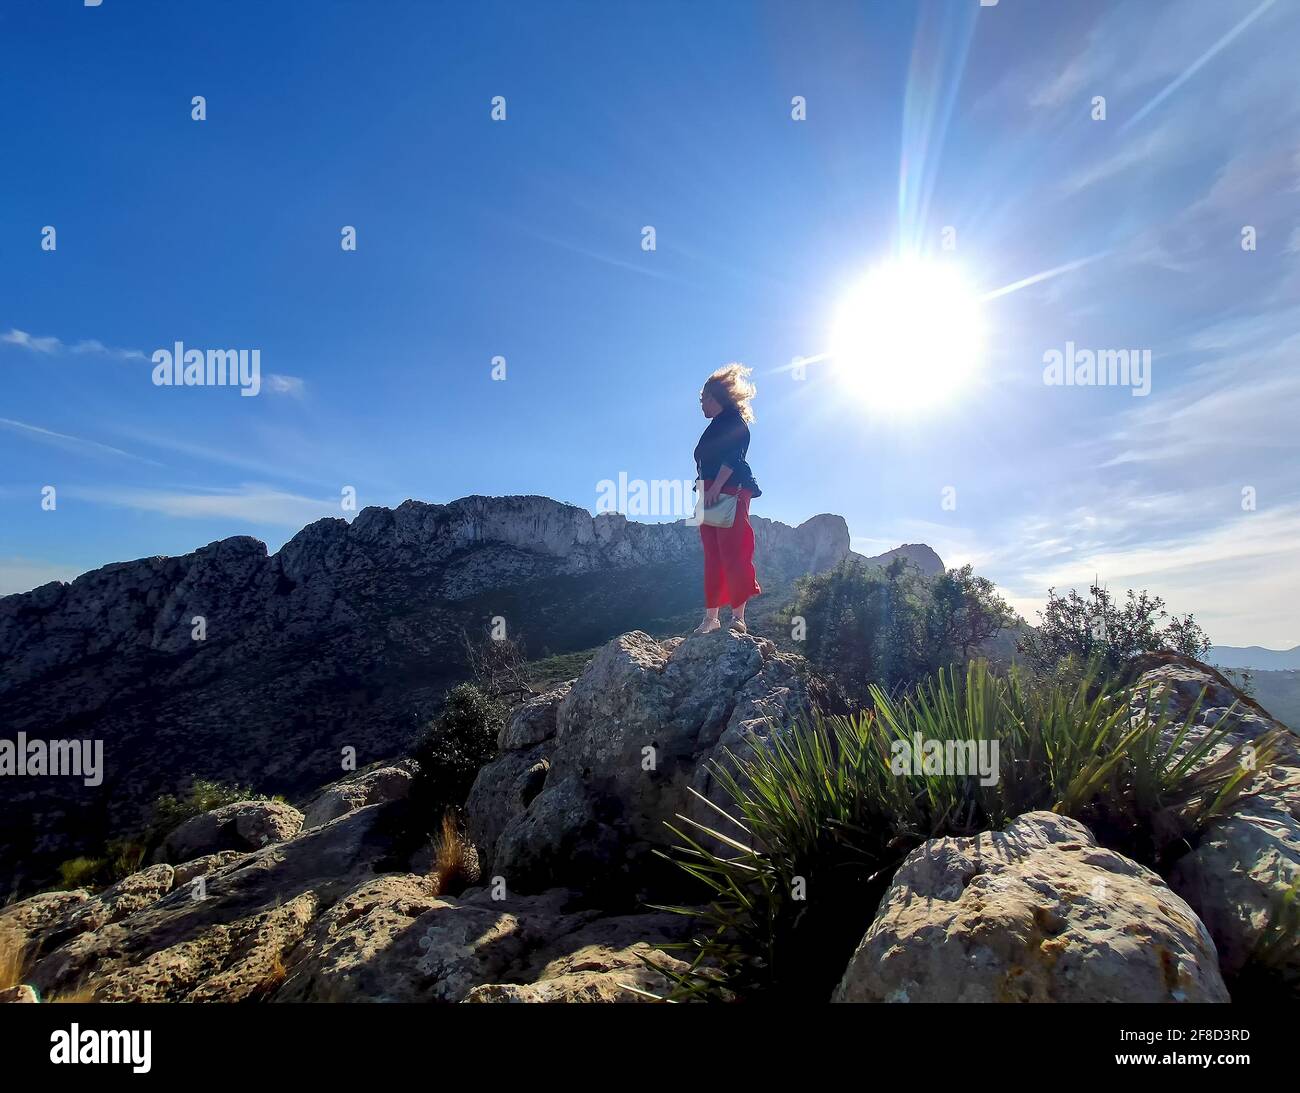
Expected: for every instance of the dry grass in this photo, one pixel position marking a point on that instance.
(11, 961)
(455, 861)
(13, 964)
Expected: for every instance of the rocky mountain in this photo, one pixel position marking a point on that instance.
(261, 901)
(260, 669)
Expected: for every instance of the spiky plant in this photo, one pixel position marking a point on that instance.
(821, 816)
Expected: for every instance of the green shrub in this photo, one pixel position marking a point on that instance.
(893, 626)
(1098, 631)
(170, 811)
(453, 747)
(830, 810)
(82, 873)
(129, 854)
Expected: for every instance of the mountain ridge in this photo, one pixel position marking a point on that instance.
(1255, 657)
(260, 668)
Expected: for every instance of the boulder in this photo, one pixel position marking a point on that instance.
(242, 826)
(22, 922)
(125, 898)
(634, 734)
(591, 974)
(392, 940)
(1244, 864)
(1036, 913)
(1240, 873)
(534, 721)
(375, 787)
(139, 941)
(20, 993)
(201, 867)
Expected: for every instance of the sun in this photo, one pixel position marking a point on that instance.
(909, 337)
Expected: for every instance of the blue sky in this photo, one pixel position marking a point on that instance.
(523, 239)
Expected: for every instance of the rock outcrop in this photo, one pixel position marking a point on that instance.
(321, 905)
(347, 637)
(241, 825)
(311, 919)
(1239, 874)
(1036, 913)
(592, 773)
(373, 787)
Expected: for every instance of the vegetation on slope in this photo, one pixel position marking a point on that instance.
(833, 812)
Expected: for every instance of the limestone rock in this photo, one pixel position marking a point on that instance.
(1244, 864)
(534, 721)
(201, 867)
(20, 993)
(21, 922)
(634, 734)
(140, 942)
(591, 974)
(375, 787)
(242, 826)
(1036, 913)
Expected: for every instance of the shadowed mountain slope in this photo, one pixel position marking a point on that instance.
(348, 636)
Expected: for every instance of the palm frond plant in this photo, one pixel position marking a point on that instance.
(819, 817)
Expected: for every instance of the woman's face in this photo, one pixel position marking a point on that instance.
(711, 406)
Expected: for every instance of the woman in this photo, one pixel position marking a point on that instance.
(720, 468)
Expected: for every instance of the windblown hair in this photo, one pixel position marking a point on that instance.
(730, 387)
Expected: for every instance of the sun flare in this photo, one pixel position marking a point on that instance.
(908, 337)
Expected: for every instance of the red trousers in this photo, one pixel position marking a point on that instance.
(729, 556)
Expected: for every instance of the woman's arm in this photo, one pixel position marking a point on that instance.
(715, 490)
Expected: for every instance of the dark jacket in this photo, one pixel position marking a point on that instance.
(725, 443)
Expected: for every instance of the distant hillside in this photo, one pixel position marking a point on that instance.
(1277, 692)
(1254, 656)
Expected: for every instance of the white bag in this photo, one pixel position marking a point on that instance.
(722, 514)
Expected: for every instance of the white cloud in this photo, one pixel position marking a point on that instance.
(252, 503)
(278, 384)
(1241, 578)
(49, 345)
(65, 440)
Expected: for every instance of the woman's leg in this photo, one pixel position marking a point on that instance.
(715, 586)
(736, 546)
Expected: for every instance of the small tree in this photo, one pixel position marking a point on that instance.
(1099, 631)
(894, 626)
(454, 746)
(499, 668)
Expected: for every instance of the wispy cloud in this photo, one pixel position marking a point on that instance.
(251, 502)
(69, 442)
(1239, 578)
(293, 386)
(50, 345)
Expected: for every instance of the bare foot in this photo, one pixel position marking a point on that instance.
(738, 625)
(708, 626)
